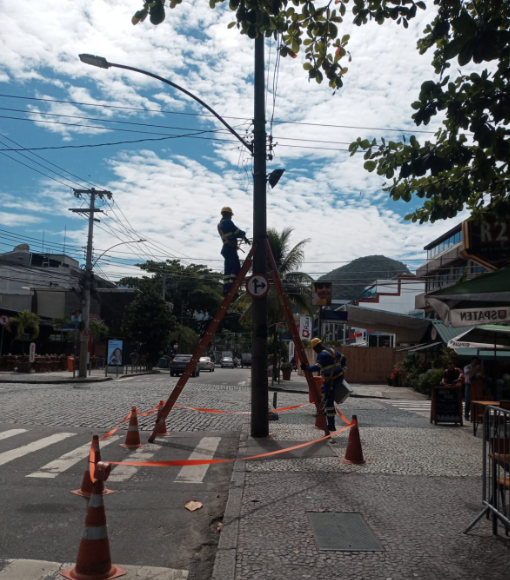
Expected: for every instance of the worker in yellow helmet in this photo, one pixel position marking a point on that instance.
(230, 234)
(332, 365)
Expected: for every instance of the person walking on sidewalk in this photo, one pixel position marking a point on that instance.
(230, 233)
(331, 364)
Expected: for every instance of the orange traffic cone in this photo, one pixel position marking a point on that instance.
(354, 452)
(161, 427)
(94, 561)
(320, 415)
(86, 483)
(133, 435)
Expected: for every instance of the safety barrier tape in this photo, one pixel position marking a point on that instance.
(239, 412)
(342, 417)
(183, 462)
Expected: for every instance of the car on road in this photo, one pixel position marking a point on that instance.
(206, 364)
(179, 364)
(227, 362)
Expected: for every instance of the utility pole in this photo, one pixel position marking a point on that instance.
(259, 381)
(85, 310)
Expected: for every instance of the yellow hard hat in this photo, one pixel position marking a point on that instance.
(226, 208)
(314, 342)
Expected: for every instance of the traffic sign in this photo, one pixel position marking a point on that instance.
(334, 316)
(257, 286)
(85, 334)
(4, 320)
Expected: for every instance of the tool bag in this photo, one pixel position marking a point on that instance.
(342, 392)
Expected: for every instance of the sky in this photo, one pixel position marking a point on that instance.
(169, 191)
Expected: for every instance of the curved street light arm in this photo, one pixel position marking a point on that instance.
(210, 109)
(120, 244)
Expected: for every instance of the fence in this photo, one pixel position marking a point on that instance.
(366, 365)
(496, 468)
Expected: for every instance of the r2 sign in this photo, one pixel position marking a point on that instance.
(257, 286)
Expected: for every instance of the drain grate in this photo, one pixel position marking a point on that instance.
(343, 532)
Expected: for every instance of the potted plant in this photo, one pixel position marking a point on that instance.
(389, 380)
(286, 370)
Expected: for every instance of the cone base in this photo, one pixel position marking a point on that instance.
(126, 446)
(353, 462)
(72, 574)
(88, 494)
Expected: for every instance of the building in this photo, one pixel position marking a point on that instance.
(447, 263)
(394, 295)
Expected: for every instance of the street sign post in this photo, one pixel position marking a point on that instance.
(334, 316)
(85, 335)
(257, 286)
(4, 321)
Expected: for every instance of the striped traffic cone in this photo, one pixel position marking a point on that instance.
(354, 452)
(133, 435)
(94, 561)
(86, 483)
(161, 426)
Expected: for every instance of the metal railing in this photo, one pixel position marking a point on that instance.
(496, 469)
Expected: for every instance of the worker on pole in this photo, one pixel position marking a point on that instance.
(230, 233)
(332, 365)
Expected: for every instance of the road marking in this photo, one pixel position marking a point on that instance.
(7, 456)
(205, 449)
(40, 570)
(125, 472)
(67, 460)
(11, 433)
(242, 383)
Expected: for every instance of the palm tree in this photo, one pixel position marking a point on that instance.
(26, 323)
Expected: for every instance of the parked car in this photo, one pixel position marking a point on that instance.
(179, 364)
(206, 364)
(246, 359)
(227, 362)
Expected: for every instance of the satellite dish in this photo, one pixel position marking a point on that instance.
(22, 247)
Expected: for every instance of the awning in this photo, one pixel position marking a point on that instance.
(426, 346)
(489, 336)
(406, 328)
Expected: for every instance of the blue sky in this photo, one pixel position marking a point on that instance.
(170, 192)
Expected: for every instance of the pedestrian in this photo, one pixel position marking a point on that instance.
(470, 372)
(332, 365)
(230, 233)
(453, 376)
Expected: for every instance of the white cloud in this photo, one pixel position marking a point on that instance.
(15, 219)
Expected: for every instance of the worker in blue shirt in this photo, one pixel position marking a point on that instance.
(230, 233)
(331, 364)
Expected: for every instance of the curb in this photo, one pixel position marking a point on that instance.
(137, 375)
(225, 560)
(56, 381)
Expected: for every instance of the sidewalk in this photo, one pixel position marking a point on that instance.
(419, 491)
(298, 384)
(58, 377)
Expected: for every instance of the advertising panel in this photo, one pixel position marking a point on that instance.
(305, 327)
(115, 349)
(321, 293)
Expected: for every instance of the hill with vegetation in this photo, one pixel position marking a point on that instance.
(350, 280)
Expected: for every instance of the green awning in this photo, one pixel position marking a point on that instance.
(490, 287)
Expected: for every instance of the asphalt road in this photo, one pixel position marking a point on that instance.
(147, 522)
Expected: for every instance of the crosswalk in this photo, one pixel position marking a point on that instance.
(421, 407)
(17, 445)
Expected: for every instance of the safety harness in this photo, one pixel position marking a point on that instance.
(338, 362)
(225, 239)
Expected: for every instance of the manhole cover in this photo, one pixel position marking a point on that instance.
(343, 532)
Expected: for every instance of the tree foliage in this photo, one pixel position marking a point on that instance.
(149, 321)
(302, 25)
(467, 163)
(25, 324)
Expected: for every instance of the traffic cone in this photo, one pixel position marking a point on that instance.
(133, 435)
(354, 452)
(94, 561)
(161, 427)
(86, 483)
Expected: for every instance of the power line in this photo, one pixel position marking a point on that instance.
(32, 168)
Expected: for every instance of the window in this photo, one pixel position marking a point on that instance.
(476, 268)
(444, 245)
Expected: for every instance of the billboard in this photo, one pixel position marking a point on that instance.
(305, 327)
(322, 293)
(115, 350)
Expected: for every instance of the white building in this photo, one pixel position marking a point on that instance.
(395, 295)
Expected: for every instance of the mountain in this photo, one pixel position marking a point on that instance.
(350, 280)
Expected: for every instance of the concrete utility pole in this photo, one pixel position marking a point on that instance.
(85, 310)
(259, 379)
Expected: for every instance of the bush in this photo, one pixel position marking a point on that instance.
(428, 380)
(286, 366)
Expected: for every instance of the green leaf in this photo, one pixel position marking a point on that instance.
(307, 66)
(232, 24)
(370, 165)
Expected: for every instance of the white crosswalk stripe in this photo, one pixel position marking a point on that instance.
(67, 460)
(11, 433)
(13, 454)
(125, 472)
(421, 408)
(205, 449)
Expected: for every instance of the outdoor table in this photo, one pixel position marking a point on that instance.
(478, 408)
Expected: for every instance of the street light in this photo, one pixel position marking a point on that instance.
(258, 149)
(121, 243)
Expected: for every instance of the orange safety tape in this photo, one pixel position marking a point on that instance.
(181, 462)
(238, 412)
(148, 412)
(342, 417)
(110, 433)
(92, 463)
